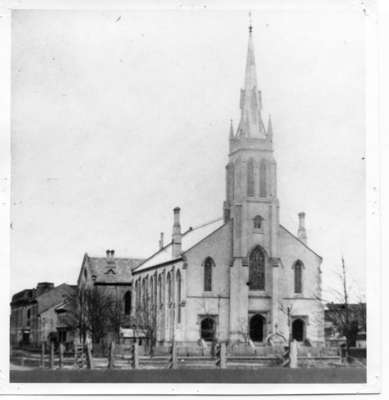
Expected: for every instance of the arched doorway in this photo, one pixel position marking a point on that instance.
(298, 328)
(208, 329)
(257, 327)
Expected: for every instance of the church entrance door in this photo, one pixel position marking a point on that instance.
(208, 329)
(257, 325)
(298, 326)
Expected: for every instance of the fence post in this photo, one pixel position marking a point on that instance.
(51, 355)
(60, 349)
(135, 356)
(89, 359)
(293, 354)
(223, 358)
(173, 356)
(42, 354)
(111, 355)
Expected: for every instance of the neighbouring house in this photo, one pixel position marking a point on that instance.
(111, 279)
(35, 317)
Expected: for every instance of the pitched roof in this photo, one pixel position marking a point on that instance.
(304, 244)
(189, 239)
(55, 296)
(115, 270)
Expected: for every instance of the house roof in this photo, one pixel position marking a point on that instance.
(115, 270)
(189, 239)
(55, 296)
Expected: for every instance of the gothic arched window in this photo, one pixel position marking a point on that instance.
(257, 269)
(160, 289)
(208, 265)
(169, 287)
(258, 222)
(178, 279)
(151, 289)
(298, 277)
(250, 177)
(263, 179)
(127, 303)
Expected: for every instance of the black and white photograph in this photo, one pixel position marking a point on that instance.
(189, 198)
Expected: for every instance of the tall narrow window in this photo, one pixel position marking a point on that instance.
(257, 269)
(160, 289)
(144, 293)
(155, 289)
(127, 303)
(263, 179)
(178, 279)
(136, 295)
(231, 181)
(169, 287)
(298, 275)
(152, 290)
(208, 265)
(250, 177)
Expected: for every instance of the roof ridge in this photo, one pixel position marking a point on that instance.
(304, 244)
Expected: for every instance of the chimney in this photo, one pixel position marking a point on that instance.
(161, 241)
(176, 236)
(302, 233)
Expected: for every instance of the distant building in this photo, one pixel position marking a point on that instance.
(36, 315)
(110, 276)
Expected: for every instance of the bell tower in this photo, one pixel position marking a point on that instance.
(251, 203)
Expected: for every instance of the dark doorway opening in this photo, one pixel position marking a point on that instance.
(208, 329)
(257, 327)
(298, 329)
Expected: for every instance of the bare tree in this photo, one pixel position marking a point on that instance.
(92, 313)
(145, 321)
(346, 317)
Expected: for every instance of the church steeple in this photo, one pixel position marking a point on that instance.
(251, 124)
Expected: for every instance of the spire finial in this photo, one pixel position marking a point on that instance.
(250, 24)
(270, 128)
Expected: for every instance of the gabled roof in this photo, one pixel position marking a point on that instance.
(300, 241)
(115, 270)
(55, 296)
(189, 239)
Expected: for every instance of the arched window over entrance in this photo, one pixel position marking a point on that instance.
(257, 269)
(257, 328)
(298, 277)
(250, 177)
(298, 329)
(127, 303)
(208, 328)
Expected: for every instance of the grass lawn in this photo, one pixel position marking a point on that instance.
(260, 375)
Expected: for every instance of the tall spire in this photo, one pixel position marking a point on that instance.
(251, 124)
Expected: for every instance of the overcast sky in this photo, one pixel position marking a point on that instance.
(117, 117)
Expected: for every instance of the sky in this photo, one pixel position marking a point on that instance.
(119, 116)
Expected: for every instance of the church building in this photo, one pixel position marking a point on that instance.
(243, 277)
